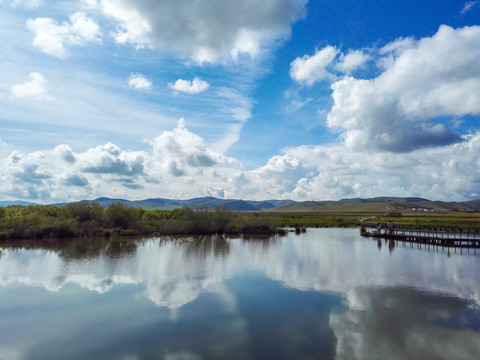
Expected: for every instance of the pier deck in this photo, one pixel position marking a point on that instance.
(463, 238)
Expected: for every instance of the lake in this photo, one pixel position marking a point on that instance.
(324, 294)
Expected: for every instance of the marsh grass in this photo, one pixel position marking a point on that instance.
(451, 220)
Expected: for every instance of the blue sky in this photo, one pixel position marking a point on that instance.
(307, 100)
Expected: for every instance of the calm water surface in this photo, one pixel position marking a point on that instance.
(326, 294)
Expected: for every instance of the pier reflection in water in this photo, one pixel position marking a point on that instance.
(327, 294)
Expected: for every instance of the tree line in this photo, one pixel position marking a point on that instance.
(90, 219)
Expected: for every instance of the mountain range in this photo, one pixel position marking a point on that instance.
(345, 205)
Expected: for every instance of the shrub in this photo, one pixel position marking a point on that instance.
(85, 211)
(120, 215)
(205, 221)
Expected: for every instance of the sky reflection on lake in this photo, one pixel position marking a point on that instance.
(325, 294)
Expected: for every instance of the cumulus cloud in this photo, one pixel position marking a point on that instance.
(54, 39)
(195, 86)
(180, 151)
(404, 108)
(352, 61)
(60, 173)
(27, 176)
(337, 171)
(421, 82)
(76, 180)
(110, 159)
(35, 88)
(66, 153)
(139, 82)
(204, 30)
(326, 65)
(180, 165)
(311, 69)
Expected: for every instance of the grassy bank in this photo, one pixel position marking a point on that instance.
(453, 219)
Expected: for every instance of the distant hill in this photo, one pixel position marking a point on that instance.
(16, 202)
(379, 204)
(208, 201)
(376, 204)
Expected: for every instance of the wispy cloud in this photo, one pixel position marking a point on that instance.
(469, 6)
(27, 3)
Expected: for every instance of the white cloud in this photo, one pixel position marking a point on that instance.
(235, 107)
(469, 6)
(42, 174)
(139, 82)
(398, 46)
(195, 86)
(204, 30)
(324, 65)
(180, 165)
(392, 50)
(421, 81)
(53, 39)
(35, 88)
(180, 152)
(110, 159)
(352, 61)
(336, 171)
(311, 69)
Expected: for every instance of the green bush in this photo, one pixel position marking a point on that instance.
(89, 219)
(85, 211)
(119, 215)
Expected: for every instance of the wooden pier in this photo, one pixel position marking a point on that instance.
(457, 238)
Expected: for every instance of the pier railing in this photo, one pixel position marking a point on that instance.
(370, 224)
(437, 236)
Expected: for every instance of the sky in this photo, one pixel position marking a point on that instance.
(248, 99)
